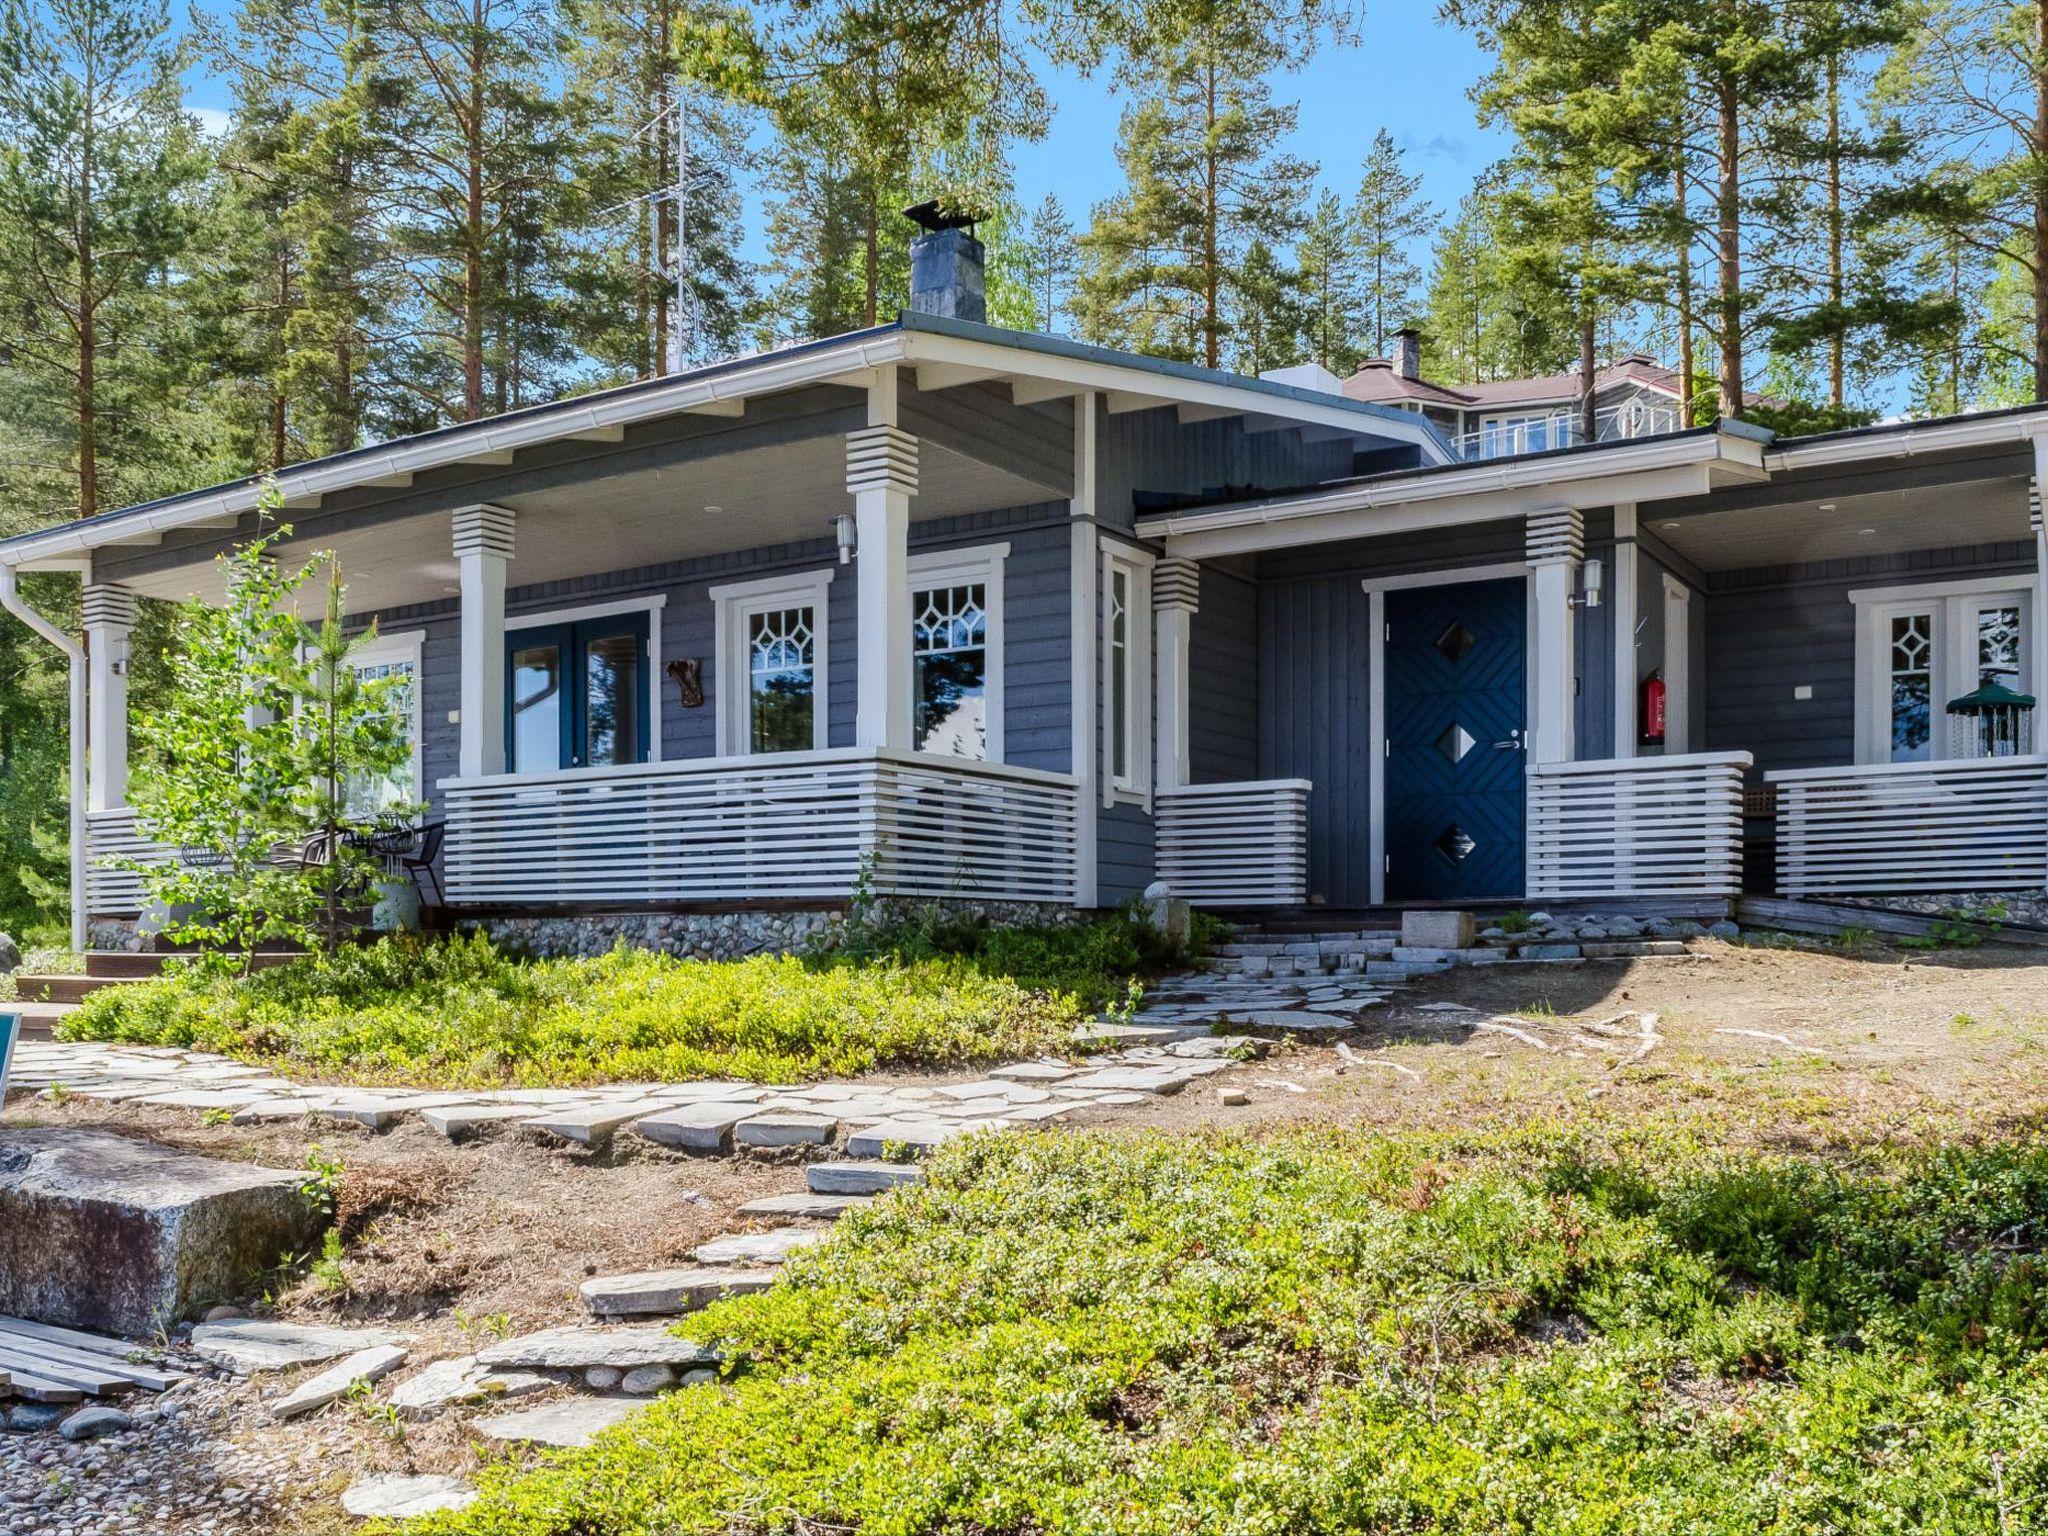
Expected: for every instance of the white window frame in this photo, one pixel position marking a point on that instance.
(981, 563)
(1677, 667)
(404, 645)
(1954, 605)
(1135, 785)
(652, 604)
(737, 602)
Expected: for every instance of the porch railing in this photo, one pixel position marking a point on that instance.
(1637, 826)
(1238, 845)
(112, 834)
(1971, 825)
(805, 827)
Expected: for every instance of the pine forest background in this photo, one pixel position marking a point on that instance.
(426, 211)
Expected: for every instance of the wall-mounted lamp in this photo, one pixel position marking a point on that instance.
(843, 530)
(1592, 582)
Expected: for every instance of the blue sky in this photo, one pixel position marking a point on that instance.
(1407, 73)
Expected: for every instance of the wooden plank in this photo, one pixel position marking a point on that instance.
(87, 1378)
(73, 1338)
(38, 1389)
(89, 1359)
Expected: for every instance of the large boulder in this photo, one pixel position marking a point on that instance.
(104, 1232)
(10, 955)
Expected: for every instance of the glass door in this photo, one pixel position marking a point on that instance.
(579, 695)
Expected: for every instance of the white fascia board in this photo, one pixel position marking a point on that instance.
(1648, 470)
(1909, 439)
(767, 374)
(1076, 374)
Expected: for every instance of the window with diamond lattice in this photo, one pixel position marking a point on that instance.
(781, 679)
(949, 662)
(1912, 693)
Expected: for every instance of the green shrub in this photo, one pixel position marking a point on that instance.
(1335, 1333)
(460, 1013)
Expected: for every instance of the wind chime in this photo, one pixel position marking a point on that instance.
(1991, 721)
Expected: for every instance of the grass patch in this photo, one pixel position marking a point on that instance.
(459, 1013)
(1332, 1333)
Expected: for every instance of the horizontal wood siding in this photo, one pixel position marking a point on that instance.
(1768, 631)
(1036, 645)
(1223, 685)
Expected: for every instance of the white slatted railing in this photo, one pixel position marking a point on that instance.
(116, 892)
(801, 827)
(1637, 826)
(1973, 825)
(1235, 845)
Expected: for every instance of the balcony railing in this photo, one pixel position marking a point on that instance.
(1978, 824)
(1565, 429)
(1637, 826)
(1235, 845)
(809, 826)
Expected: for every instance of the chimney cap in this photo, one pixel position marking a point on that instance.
(931, 217)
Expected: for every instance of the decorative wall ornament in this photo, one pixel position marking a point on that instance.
(688, 675)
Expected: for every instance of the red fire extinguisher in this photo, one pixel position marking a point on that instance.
(1653, 709)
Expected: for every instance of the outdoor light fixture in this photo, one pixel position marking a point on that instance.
(842, 529)
(1592, 582)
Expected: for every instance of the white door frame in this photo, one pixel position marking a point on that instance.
(1677, 667)
(1376, 589)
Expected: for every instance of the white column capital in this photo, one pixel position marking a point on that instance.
(1556, 536)
(881, 458)
(484, 530)
(1176, 585)
(106, 606)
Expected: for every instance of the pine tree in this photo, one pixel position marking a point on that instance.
(1332, 304)
(1050, 257)
(1391, 215)
(97, 176)
(1265, 312)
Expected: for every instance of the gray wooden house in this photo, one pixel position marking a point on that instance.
(954, 611)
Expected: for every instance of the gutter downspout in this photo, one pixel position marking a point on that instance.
(11, 601)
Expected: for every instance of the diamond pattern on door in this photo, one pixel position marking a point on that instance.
(1455, 688)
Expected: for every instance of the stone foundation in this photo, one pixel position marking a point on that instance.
(2025, 909)
(736, 934)
(116, 933)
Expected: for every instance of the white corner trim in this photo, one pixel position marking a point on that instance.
(1975, 586)
(958, 567)
(1502, 570)
(734, 602)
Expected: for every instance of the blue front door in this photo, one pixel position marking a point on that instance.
(1455, 690)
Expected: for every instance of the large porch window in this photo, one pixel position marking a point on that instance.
(1127, 672)
(580, 690)
(956, 652)
(1919, 647)
(773, 689)
(396, 657)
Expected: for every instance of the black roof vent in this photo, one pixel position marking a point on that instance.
(931, 218)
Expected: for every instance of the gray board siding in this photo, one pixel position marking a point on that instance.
(1769, 631)
(1036, 670)
(1223, 680)
(1154, 451)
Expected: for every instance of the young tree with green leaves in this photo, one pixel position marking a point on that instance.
(1390, 215)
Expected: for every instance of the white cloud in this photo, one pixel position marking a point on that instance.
(214, 122)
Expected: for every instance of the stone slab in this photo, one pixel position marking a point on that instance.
(804, 1204)
(459, 1122)
(123, 1236)
(594, 1127)
(337, 1381)
(785, 1130)
(919, 1136)
(757, 1247)
(570, 1424)
(577, 1349)
(403, 1498)
(668, 1292)
(249, 1345)
(867, 1177)
(1034, 1072)
(705, 1127)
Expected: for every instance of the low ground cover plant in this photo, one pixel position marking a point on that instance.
(1323, 1332)
(461, 1013)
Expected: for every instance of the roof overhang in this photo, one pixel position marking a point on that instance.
(1912, 439)
(943, 355)
(1601, 475)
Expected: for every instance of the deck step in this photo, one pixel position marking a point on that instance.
(65, 989)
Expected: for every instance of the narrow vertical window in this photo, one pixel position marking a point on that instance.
(1998, 646)
(949, 659)
(1912, 687)
(369, 794)
(782, 679)
(1120, 754)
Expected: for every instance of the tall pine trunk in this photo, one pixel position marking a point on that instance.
(1589, 393)
(473, 228)
(1837, 283)
(1679, 189)
(1728, 227)
(1212, 277)
(88, 321)
(2038, 134)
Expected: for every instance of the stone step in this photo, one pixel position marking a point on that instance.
(804, 1205)
(770, 1247)
(669, 1292)
(867, 1176)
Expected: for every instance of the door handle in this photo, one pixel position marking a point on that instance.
(1512, 744)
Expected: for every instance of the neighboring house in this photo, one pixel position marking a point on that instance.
(937, 609)
(1635, 397)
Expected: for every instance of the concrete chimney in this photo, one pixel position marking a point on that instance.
(1408, 353)
(947, 276)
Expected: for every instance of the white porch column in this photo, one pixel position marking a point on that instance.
(2040, 689)
(1083, 615)
(1556, 545)
(1176, 594)
(1624, 597)
(109, 613)
(483, 548)
(881, 475)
